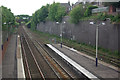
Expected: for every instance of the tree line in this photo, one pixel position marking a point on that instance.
(53, 12)
(7, 17)
(22, 18)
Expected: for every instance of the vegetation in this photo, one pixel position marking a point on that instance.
(7, 17)
(56, 12)
(53, 12)
(81, 11)
(102, 16)
(104, 54)
(43, 13)
(21, 18)
(115, 18)
(39, 16)
(72, 43)
(88, 11)
(77, 13)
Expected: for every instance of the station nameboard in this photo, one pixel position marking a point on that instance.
(101, 9)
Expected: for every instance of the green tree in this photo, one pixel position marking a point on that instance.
(53, 11)
(60, 13)
(39, 16)
(43, 13)
(34, 21)
(56, 12)
(20, 18)
(88, 11)
(77, 13)
(7, 17)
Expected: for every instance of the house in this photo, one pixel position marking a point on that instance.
(92, 2)
(114, 8)
(67, 6)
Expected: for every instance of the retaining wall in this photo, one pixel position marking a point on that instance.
(84, 32)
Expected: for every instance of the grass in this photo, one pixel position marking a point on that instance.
(93, 17)
(46, 37)
(104, 54)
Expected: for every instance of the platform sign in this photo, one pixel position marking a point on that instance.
(101, 9)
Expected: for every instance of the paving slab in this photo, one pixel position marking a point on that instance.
(101, 71)
(9, 63)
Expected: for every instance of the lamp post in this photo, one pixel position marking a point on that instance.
(7, 30)
(97, 34)
(61, 32)
(2, 41)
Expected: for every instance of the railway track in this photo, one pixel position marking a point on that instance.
(61, 72)
(39, 63)
(35, 67)
(31, 65)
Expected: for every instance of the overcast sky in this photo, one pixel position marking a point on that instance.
(28, 6)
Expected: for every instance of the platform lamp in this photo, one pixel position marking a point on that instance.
(61, 32)
(97, 29)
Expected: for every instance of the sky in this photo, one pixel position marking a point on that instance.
(28, 6)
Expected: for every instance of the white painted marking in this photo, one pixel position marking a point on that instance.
(18, 36)
(73, 63)
(72, 49)
(23, 71)
(20, 66)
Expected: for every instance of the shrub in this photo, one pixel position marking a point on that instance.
(110, 16)
(76, 14)
(102, 16)
(116, 18)
(56, 12)
(88, 11)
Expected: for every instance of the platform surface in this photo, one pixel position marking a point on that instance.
(88, 64)
(9, 63)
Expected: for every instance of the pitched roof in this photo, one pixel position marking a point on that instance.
(65, 5)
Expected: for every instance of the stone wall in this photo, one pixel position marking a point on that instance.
(84, 32)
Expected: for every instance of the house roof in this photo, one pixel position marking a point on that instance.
(65, 5)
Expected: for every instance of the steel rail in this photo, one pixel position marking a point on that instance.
(55, 60)
(47, 61)
(41, 73)
(27, 35)
(28, 69)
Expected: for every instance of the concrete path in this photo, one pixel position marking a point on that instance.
(89, 64)
(20, 66)
(9, 64)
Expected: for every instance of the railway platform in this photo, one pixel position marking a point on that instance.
(12, 66)
(86, 64)
(9, 67)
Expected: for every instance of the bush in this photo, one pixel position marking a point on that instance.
(56, 12)
(110, 16)
(76, 14)
(102, 16)
(88, 11)
(16, 24)
(115, 18)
